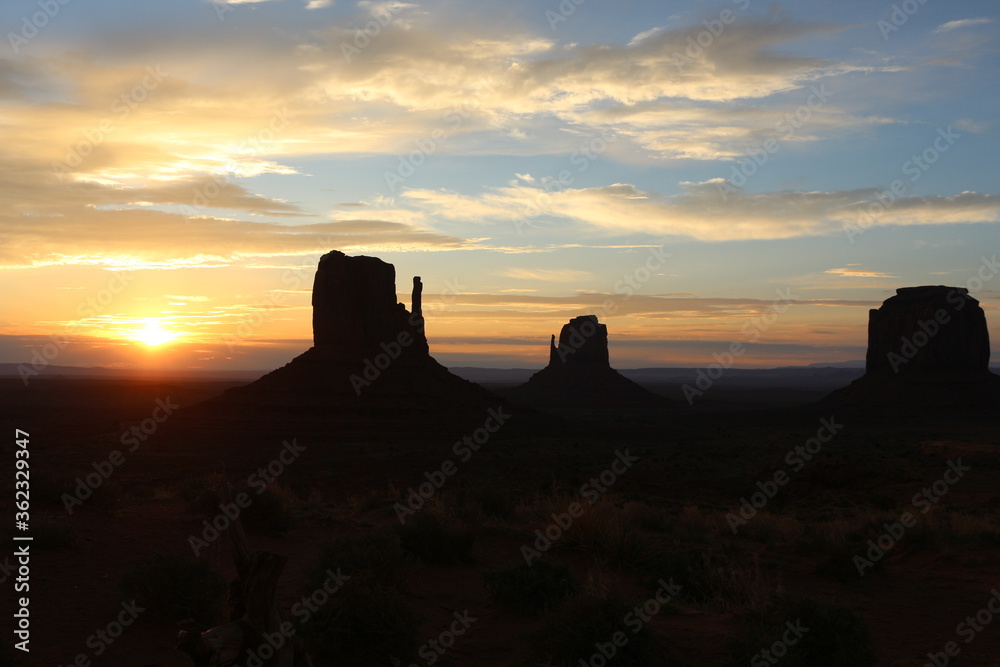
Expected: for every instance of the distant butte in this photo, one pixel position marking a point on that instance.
(927, 346)
(579, 374)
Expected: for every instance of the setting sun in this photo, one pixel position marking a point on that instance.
(154, 334)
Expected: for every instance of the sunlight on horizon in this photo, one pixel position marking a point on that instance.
(155, 335)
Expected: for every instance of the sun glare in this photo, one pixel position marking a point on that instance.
(154, 334)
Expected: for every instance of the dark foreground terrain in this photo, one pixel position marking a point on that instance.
(700, 535)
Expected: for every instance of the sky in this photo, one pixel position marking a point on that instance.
(694, 173)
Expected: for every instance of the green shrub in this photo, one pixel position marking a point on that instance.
(542, 585)
(829, 634)
(174, 586)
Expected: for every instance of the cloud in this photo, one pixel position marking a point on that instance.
(646, 34)
(712, 210)
(548, 275)
(970, 125)
(105, 141)
(131, 238)
(858, 273)
(520, 305)
(486, 87)
(963, 23)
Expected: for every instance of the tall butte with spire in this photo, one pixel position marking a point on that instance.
(370, 356)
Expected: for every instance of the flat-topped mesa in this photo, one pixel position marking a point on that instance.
(355, 308)
(583, 340)
(928, 348)
(928, 329)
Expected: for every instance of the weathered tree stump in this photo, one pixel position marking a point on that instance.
(255, 614)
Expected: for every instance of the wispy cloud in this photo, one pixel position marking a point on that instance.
(701, 211)
(153, 239)
(962, 23)
(858, 273)
(547, 275)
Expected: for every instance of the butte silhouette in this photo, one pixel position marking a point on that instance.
(370, 360)
(927, 346)
(579, 374)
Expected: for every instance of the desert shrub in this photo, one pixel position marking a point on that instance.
(47, 489)
(771, 528)
(946, 527)
(606, 530)
(841, 540)
(377, 551)
(839, 562)
(373, 498)
(693, 523)
(541, 585)
(52, 534)
(437, 538)
(723, 581)
(484, 500)
(367, 620)
(174, 587)
(268, 513)
(200, 495)
(572, 633)
(53, 490)
(827, 634)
